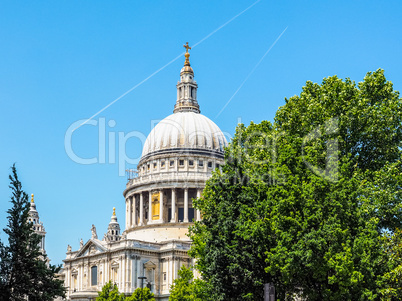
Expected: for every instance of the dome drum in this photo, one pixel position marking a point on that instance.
(180, 152)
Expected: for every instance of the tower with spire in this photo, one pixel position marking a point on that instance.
(113, 230)
(37, 226)
(187, 88)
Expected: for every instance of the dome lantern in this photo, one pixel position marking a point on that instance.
(187, 88)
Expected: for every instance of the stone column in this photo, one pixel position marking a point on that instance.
(121, 272)
(127, 272)
(68, 276)
(177, 264)
(198, 217)
(130, 212)
(185, 220)
(106, 271)
(127, 213)
(139, 273)
(82, 276)
(169, 277)
(134, 222)
(173, 212)
(141, 210)
(134, 273)
(86, 283)
(150, 207)
(161, 206)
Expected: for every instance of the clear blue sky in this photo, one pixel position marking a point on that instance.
(62, 61)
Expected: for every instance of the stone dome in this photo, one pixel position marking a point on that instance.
(184, 132)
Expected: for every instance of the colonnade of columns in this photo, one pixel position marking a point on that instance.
(135, 206)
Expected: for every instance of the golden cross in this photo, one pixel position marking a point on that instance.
(187, 47)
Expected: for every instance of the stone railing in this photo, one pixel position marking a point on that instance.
(169, 177)
(131, 174)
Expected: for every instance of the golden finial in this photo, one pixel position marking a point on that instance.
(32, 198)
(114, 211)
(187, 55)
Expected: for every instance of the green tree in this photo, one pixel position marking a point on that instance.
(391, 288)
(110, 292)
(306, 202)
(141, 294)
(186, 288)
(24, 272)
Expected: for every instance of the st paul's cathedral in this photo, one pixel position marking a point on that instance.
(177, 159)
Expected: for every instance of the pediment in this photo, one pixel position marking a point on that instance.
(92, 247)
(114, 264)
(149, 265)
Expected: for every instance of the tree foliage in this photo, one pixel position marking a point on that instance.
(24, 272)
(110, 292)
(141, 294)
(186, 288)
(309, 201)
(391, 286)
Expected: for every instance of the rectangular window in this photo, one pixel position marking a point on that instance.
(155, 165)
(169, 213)
(191, 162)
(181, 214)
(217, 165)
(181, 162)
(115, 274)
(155, 206)
(94, 275)
(162, 163)
(209, 164)
(171, 163)
(191, 214)
(200, 163)
(164, 276)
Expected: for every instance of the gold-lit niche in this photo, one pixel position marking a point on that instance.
(155, 206)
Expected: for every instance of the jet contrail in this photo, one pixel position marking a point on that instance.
(223, 25)
(160, 69)
(255, 67)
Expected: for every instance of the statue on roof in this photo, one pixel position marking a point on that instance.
(94, 235)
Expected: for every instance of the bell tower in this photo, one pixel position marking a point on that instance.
(113, 230)
(37, 226)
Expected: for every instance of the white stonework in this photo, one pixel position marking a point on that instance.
(177, 159)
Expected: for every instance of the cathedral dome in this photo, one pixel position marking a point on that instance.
(184, 131)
